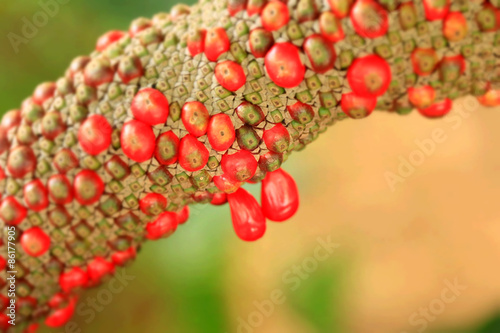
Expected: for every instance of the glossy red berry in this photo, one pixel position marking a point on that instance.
(65, 160)
(88, 187)
(455, 27)
(108, 38)
(43, 92)
(35, 242)
(226, 184)
(137, 141)
(369, 76)
(130, 68)
(230, 75)
(60, 189)
(320, 52)
(240, 166)
(216, 43)
(150, 106)
(275, 15)
(280, 196)
(11, 119)
(220, 132)
(11, 211)
(331, 27)
(436, 9)
(21, 161)
(167, 148)
(219, 199)
(369, 19)
(421, 97)
(183, 215)
(196, 41)
(357, 106)
(153, 204)
(249, 222)
(193, 155)
(260, 41)
(120, 258)
(195, 118)
(61, 316)
(277, 138)
(73, 279)
(99, 268)
(98, 71)
(162, 227)
(438, 109)
(341, 8)
(283, 65)
(94, 134)
(36, 195)
(301, 112)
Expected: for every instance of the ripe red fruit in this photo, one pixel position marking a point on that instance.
(95, 134)
(260, 41)
(341, 8)
(421, 97)
(436, 9)
(283, 65)
(4, 322)
(167, 148)
(43, 92)
(150, 106)
(277, 138)
(196, 41)
(60, 189)
(216, 43)
(280, 196)
(195, 117)
(36, 195)
(491, 98)
(438, 109)
(99, 268)
(61, 316)
(424, 61)
(236, 6)
(137, 141)
(331, 27)
(108, 38)
(98, 71)
(369, 76)
(369, 19)
(240, 166)
(230, 75)
(163, 226)
(357, 106)
(183, 215)
(226, 184)
(455, 26)
(130, 68)
(72, 279)
(11, 119)
(35, 242)
(88, 187)
(255, 6)
(120, 258)
(12, 212)
(219, 199)
(220, 132)
(153, 204)
(21, 161)
(320, 52)
(275, 15)
(249, 222)
(301, 112)
(139, 25)
(193, 155)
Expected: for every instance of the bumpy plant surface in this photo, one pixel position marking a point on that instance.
(186, 107)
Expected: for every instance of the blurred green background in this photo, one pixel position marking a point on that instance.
(205, 280)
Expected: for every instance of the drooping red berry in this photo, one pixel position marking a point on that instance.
(421, 97)
(36, 195)
(455, 26)
(11, 211)
(280, 196)
(283, 65)
(193, 155)
(21, 161)
(196, 41)
(240, 166)
(35, 242)
(88, 187)
(162, 227)
(60, 189)
(130, 68)
(277, 138)
(341, 8)
(230, 75)
(436, 9)
(137, 141)
(255, 6)
(167, 148)
(195, 118)
(357, 106)
(52, 125)
(11, 119)
(98, 71)
(275, 15)
(424, 61)
(61, 316)
(438, 109)
(98, 268)
(153, 204)
(260, 41)
(183, 215)
(370, 20)
(320, 52)
(369, 76)
(120, 258)
(219, 199)
(94, 135)
(73, 279)
(108, 38)
(331, 27)
(216, 43)
(43, 92)
(220, 132)
(226, 184)
(301, 112)
(249, 222)
(150, 106)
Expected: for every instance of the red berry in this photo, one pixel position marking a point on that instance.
(230, 75)
(88, 187)
(3, 303)
(153, 204)
(260, 41)
(183, 215)
(60, 189)
(98, 71)
(163, 226)
(438, 109)
(236, 6)
(331, 27)
(196, 41)
(137, 141)
(436, 9)
(72, 279)
(139, 25)
(216, 43)
(219, 199)
(301, 112)
(277, 138)
(369, 76)
(320, 52)
(77, 65)
(95, 134)
(275, 15)
(61, 316)
(357, 106)
(421, 97)
(11, 119)
(108, 38)
(226, 184)
(4, 140)
(43, 92)
(35, 242)
(36, 195)
(249, 222)
(455, 27)
(12, 212)
(283, 65)
(240, 166)
(221, 132)
(195, 118)
(280, 196)
(150, 106)
(120, 258)
(130, 68)
(167, 148)
(99, 268)
(424, 61)
(341, 8)
(491, 98)
(21, 161)
(4, 322)
(193, 155)
(370, 20)
(255, 6)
